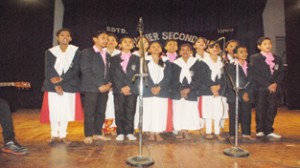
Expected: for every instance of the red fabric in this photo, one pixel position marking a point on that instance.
(200, 106)
(44, 117)
(78, 108)
(170, 116)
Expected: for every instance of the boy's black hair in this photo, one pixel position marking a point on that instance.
(62, 30)
(211, 44)
(231, 41)
(144, 37)
(186, 45)
(235, 50)
(166, 43)
(125, 37)
(203, 38)
(98, 33)
(261, 39)
(113, 35)
(153, 42)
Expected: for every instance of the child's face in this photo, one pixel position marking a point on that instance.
(155, 49)
(101, 40)
(230, 47)
(215, 50)
(185, 52)
(265, 46)
(241, 54)
(111, 42)
(145, 43)
(126, 44)
(64, 38)
(171, 47)
(200, 44)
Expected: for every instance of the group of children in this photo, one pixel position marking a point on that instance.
(185, 90)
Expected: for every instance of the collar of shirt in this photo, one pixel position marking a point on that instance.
(125, 59)
(244, 66)
(101, 52)
(269, 60)
(172, 56)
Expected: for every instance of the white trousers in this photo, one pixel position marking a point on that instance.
(208, 123)
(59, 129)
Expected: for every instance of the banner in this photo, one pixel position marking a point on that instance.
(182, 37)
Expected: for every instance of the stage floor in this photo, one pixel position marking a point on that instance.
(171, 153)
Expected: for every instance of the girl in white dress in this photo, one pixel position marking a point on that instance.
(155, 101)
(61, 102)
(214, 105)
(184, 86)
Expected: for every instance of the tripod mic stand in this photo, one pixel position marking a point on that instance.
(140, 160)
(234, 151)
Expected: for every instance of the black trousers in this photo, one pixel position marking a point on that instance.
(6, 122)
(94, 113)
(244, 117)
(266, 110)
(125, 107)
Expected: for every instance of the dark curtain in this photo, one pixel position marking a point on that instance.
(85, 17)
(26, 29)
(292, 18)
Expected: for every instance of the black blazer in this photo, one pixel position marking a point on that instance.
(93, 70)
(70, 82)
(164, 83)
(261, 72)
(177, 86)
(206, 82)
(245, 82)
(120, 78)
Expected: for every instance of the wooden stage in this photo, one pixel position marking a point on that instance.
(171, 153)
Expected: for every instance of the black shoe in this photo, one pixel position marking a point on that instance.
(15, 148)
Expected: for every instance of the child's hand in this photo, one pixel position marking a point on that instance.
(216, 94)
(125, 90)
(155, 90)
(272, 88)
(245, 97)
(215, 88)
(185, 92)
(56, 80)
(59, 90)
(104, 88)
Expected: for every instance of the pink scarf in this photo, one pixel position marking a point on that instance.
(269, 60)
(102, 53)
(172, 57)
(243, 66)
(125, 57)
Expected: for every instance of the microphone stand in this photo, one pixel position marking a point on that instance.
(234, 151)
(140, 160)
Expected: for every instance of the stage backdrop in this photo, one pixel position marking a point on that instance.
(166, 19)
(26, 30)
(25, 33)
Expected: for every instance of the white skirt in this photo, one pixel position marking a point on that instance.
(61, 107)
(155, 114)
(214, 107)
(186, 115)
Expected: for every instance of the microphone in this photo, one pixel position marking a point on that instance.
(218, 40)
(140, 25)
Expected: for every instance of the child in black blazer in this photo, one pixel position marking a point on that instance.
(95, 84)
(267, 75)
(124, 67)
(245, 95)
